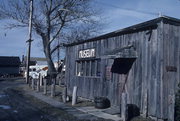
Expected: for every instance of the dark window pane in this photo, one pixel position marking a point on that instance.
(98, 73)
(87, 68)
(78, 67)
(83, 69)
(93, 68)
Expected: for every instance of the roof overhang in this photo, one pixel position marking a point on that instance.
(124, 52)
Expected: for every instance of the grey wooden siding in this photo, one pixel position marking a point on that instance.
(149, 83)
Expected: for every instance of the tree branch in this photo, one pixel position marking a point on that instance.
(60, 28)
(11, 26)
(45, 3)
(54, 49)
(57, 33)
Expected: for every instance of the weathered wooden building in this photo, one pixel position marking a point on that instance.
(142, 60)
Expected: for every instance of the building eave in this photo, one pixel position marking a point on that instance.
(151, 24)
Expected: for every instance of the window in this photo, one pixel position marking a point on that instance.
(98, 68)
(88, 68)
(78, 66)
(93, 69)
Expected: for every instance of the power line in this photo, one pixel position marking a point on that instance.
(127, 9)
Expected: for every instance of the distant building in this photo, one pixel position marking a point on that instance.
(34, 61)
(9, 65)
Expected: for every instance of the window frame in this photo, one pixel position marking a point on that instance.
(83, 72)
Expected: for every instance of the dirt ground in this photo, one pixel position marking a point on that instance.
(15, 105)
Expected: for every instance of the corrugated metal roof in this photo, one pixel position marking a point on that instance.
(9, 61)
(145, 25)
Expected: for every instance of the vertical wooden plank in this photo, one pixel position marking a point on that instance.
(144, 70)
(172, 75)
(92, 88)
(123, 107)
(102, 75)
(149, 77)
(159, 81)
(165, 75)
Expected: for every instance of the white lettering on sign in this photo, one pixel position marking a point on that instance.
(88, 53)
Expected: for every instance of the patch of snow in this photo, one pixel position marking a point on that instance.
(15, 111)
(2, 95)
(5, 107)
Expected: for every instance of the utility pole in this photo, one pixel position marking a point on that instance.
(29, 41)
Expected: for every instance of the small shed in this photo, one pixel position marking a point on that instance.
(142, 61)
(9, 65)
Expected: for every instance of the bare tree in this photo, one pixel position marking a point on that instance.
(52, 19)
(83, 32)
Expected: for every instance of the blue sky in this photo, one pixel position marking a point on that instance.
(118, 14)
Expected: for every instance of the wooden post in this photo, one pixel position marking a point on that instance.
(45, 86)
(145, 104)
(30, 82)
(123, 106)
(74, 96)
(171, 105)
(64, 94)
(41, 80)
(32, 85)
(53, 87)
(38, 84)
